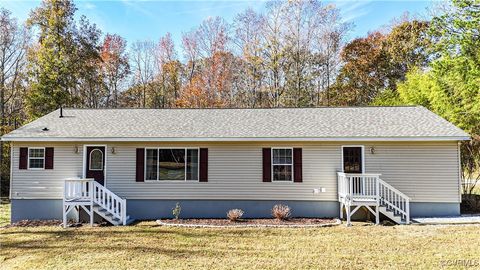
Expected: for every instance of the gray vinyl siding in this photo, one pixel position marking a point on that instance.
(45, 184)
(425, 171)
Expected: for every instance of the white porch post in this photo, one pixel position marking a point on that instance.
(348, 215)
(341, 210)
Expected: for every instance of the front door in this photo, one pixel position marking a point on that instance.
(352, 159)
(95, 165)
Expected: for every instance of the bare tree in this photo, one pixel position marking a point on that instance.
(328, 45)
(248, 28)
(14, 40)
(143, 64)
(273, 42)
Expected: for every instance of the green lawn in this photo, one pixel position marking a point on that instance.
(146, 246)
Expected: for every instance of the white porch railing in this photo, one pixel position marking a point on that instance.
(88, 192)
(76, 189)
(356, 188)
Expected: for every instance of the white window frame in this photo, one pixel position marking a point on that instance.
(363, 156)
(158, 167)
(90, 160)
(293, 173)
(43, 158)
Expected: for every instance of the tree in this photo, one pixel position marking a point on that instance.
(326, 54)
(378, 62)
(248, 40)
(169, 71)
(409, 45)
(209, 42)
(143, 64)
(365, 72)
(91, 90)
(51, 63)
(115, 66)
(14, 41)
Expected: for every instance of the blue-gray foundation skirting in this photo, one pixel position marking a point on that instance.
(153, 209)
(424, 209)
(41, 209)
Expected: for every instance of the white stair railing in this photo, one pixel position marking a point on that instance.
(110, 202)
(394, 200)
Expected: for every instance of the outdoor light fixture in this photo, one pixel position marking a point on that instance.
(113, 150)
(372, 150)
(75, 149)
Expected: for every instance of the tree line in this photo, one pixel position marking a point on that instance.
(293, 54)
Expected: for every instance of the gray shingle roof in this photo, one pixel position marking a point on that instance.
(354, 123)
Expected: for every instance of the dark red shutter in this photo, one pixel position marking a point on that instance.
(203, 165)
(140, 168)
(49, 158)
(23, 162)
(267, 164)
(297, 165)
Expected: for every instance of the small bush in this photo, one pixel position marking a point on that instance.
(235, 214)
(176, 210)
(281, 212)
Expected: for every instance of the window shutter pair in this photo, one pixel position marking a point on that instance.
(267, 165)
(140, 165)
(23, 162)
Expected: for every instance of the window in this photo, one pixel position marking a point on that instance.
(171, 164)
(36, 158)
(282, 164)
(96, 160)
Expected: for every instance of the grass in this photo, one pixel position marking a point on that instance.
(4, 214)
(147, 246)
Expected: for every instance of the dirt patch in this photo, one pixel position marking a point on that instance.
(293, 222)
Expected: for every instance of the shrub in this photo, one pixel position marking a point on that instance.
(176, 210)
(281, 212)
(235, 214)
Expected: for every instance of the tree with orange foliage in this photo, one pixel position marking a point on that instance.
(115, 65)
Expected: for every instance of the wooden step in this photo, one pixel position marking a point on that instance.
(391, 215)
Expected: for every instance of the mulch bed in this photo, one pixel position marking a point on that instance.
(35, 223)
(53, 222)
(293, 222)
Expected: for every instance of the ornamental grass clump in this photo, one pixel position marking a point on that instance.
(234, 214)
(281, 212)
(176, 210)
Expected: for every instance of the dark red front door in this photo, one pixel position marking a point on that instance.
(352, 160)
(96, 163)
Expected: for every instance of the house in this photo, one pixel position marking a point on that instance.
(123, 164)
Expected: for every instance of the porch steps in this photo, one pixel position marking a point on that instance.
(94, 198)
(109, 217)
(391, 215)
(357, 190)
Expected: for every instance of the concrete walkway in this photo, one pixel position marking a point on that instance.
(463, 219)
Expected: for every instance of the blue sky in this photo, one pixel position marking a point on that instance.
(138, 20)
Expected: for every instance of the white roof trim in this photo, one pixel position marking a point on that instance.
(228, 139)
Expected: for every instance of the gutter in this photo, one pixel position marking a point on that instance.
(229, 139)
